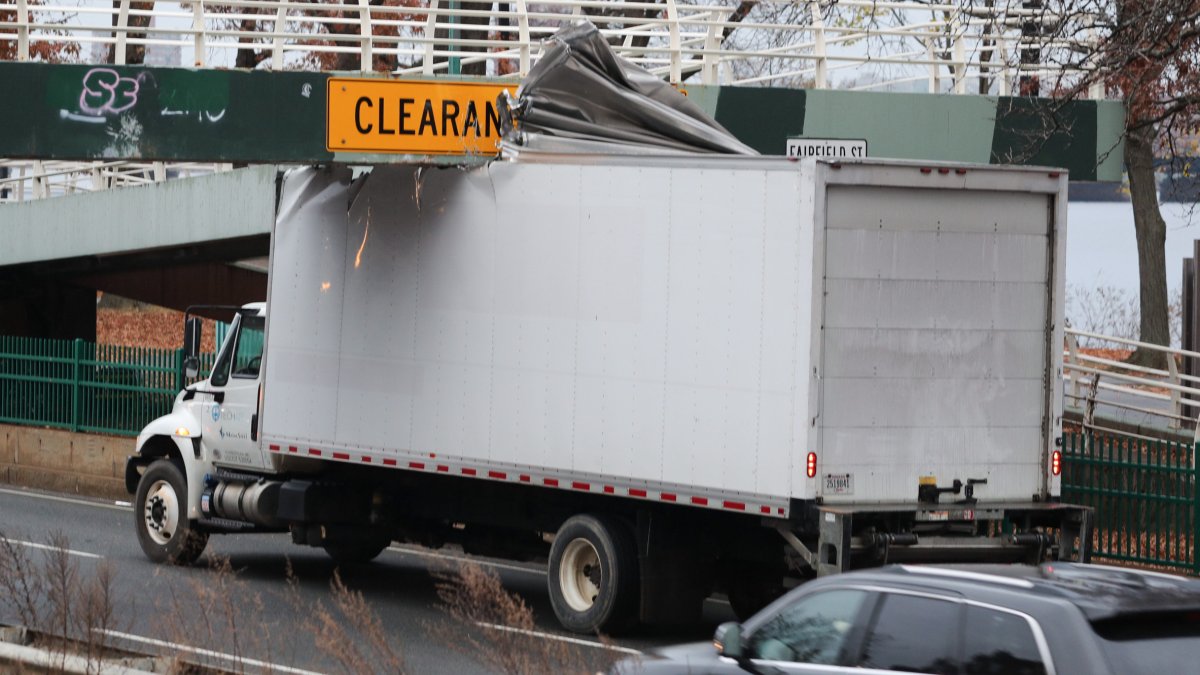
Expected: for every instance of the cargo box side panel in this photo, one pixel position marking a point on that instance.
(306, 297)
(934, 337)
(631, 322)
(379, 376)
(737, 258)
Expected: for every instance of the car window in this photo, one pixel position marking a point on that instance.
(999, 642)
(913, 634)
(1151, 644)
(812, 630)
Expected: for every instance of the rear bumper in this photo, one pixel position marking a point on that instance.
(859, 536)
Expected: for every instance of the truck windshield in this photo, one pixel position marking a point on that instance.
(1150, 645)
(241, 355)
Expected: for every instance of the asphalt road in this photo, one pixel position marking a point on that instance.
(168, 610)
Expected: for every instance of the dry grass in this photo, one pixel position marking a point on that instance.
(72, 612)
(346, 629)
(68, 612)
(477, 605)
(208, 611)
(220, 611)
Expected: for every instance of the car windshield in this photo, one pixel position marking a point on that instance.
(1150, 645)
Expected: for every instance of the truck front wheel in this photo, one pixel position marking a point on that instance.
(160, 515)
(593, 576)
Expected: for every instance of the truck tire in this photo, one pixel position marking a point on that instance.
(160, 516)
(355, 552)
(593, 576)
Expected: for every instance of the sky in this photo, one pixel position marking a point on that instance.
(1102, 249)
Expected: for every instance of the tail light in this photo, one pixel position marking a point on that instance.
(810, 466)
(1056, 462)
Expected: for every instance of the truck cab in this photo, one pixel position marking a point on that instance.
(213, 423)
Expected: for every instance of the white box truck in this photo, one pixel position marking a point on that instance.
(663, 374)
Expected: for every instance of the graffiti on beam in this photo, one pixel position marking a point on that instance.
(108, 111)
(104, 92)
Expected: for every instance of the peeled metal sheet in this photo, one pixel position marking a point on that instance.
(581, 90)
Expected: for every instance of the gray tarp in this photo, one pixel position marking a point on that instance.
(582, 90)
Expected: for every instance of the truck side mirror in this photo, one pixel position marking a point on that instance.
(728, 640)
(191, 337)
(191, 366)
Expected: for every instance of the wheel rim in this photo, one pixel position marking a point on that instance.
(161, 512)
(580, 575)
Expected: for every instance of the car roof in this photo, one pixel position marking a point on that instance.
(1099, 591)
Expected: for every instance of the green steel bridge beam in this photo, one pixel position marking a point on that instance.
(80, 112)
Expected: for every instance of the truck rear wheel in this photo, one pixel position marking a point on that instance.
(160, 516)
(593, 576)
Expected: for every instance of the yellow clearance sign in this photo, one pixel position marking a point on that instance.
(412, 117)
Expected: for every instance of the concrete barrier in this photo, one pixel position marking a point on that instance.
(62, 461)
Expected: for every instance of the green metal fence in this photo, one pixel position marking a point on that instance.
(81, 386)
(1144, 494)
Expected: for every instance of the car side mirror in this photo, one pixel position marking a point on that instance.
(728, 640)
(191, 337)
(191, 366)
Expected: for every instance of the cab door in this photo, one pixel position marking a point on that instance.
(231, 419)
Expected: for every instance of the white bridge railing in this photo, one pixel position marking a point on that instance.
(25, 180)
(1104, 392)
(952, 46)
(957, 46)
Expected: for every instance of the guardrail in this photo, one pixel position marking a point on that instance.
(23, 180)
(1108, 394)
(945, 46)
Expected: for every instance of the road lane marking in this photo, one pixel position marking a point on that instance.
(464, 559)
(116, 506)
(44, 547)
(560, 638)
(239, 660)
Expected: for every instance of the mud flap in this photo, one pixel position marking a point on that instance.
(676, 572)
(1075, 537)
(833, 547)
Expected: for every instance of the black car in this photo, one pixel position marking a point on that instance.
(960, 620)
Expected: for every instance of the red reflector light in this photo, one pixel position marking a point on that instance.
(811, 465)
(926, 169)
(1056, 462)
